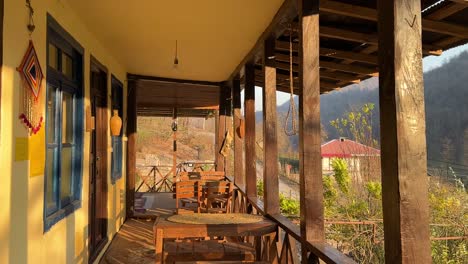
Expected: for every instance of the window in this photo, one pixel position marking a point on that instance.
(63, 124)
(117, 104)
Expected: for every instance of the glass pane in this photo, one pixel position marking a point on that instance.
(67, 66)
(67, 118)
(53, 56)
(67, 171)
(51, 198)
(50, 117)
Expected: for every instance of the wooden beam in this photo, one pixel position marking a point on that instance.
(327, 75)
(333, 53)
(365, 38)
(138, 77)
(284, 79)
(463, 2)
(402, 117)
(371, 14)
(286, 13)
(270, 141)
(350, 68)
(311, 186)
(249, 108)
(333, 65)
(239, 176)
(131, 131)
(447, 11)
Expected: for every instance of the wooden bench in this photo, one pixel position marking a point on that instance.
(207, 250)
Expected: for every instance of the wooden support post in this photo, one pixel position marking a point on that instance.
(131, 147)
(311, 186)
(270, 141)
(239, 176)
(174, 142)
(221, 129)
(249, 108)
(402, 117)
(228, 166)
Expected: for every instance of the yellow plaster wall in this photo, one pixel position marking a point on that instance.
(22, 238)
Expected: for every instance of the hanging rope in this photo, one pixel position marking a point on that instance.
(31, 25)
(291, 115)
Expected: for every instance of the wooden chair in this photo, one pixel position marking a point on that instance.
(217, 196)
(188, 194)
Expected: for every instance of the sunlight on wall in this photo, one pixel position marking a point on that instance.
(22, 239)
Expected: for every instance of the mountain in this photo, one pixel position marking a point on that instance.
(446, 100)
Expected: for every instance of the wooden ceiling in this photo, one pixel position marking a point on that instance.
(349, 41)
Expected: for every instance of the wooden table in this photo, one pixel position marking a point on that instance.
(163, 228)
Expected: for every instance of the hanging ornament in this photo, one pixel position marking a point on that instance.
(31, 75)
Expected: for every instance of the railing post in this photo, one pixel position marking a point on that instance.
(311, 186)
(250, 156)
(270, 141)
(403, 139)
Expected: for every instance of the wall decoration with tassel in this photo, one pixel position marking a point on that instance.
(31, 76)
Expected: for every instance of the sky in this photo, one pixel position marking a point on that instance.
(429, 63)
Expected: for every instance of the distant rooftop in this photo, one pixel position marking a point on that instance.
(346, 148)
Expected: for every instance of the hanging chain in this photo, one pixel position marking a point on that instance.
(31, 26)
(291, 115)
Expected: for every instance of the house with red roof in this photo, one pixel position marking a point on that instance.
(356, 155)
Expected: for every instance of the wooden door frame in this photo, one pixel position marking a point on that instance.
(94, 63)
(1, 56)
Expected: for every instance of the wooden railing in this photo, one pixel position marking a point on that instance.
(155, 178)
(289, 240)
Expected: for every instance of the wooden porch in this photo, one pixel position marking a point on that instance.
(317, 56)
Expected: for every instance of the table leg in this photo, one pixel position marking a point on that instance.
(159, 240)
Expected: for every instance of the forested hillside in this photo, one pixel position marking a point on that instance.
(446, 95)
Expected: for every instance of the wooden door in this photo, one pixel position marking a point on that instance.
(98, 165)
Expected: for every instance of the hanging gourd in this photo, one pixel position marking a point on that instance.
(115, 123)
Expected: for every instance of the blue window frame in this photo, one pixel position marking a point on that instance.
(117, 104)
(63, 124)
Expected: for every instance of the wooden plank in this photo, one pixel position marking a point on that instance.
(239, 178)
(249, 108)
(131, 147)
(311, 187)
(402, 117)
(270, 141)
(277, 26)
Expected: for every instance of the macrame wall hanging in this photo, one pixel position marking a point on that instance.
(31, 77)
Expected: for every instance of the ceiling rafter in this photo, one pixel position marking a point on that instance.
(371, 14)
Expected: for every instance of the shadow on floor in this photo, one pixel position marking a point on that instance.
(132, 244)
